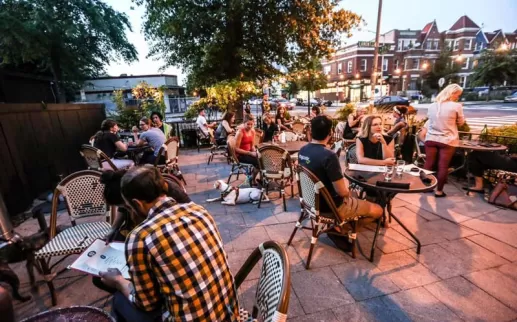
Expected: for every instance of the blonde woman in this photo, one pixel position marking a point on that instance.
(373, 147)
(445, 115)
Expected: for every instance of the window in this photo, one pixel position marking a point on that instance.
(416, 63)
(327, 69)
(405, 64)
(385, 65)
(448, 44)
(349, 67)
(468, 44)
(465, 64)
(436, 44)
(400, 45)
(456, 45)
(396, 64)
(463, 81)
(429, 44)
(364, 65)
(340, 68)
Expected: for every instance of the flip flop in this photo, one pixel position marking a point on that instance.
(474, 190)
(443, 195)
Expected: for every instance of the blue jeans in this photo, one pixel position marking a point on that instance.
(124, 311)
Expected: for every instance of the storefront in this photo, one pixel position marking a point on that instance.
(354, 90)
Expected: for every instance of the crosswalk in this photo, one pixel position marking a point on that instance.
(477, 124)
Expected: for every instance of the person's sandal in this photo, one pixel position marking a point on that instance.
(443, 195)
(473, 190)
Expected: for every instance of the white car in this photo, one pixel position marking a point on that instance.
(511, 98)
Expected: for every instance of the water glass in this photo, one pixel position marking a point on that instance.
(400, 167)
(388, 175)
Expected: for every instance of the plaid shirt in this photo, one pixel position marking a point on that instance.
(176, 260)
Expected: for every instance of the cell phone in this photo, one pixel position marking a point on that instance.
(414, 169)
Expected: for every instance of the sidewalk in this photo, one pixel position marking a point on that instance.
(467, 268)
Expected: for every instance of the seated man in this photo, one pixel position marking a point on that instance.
(108, 142)
(202, 124)
(152, 136)
(160, 254)
(481, 161)
(156, 117)
(324, 163)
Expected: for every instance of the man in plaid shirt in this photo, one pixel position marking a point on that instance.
(176, 260)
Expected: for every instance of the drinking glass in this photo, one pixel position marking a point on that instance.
(275, 137)
(388, 175)
(400, 167)
(465, 139)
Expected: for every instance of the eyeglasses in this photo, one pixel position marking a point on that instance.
(142, 124)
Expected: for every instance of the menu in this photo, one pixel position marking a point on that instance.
(99, 257)
(364, 167)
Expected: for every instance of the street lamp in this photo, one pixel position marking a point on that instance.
(397, 71)
(459, 58)
(357, 75)
(503, 47)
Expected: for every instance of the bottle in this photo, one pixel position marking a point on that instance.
(484, 134)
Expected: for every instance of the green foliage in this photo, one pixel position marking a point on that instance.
(442, 67)
(247, 39)
(472, 96)
(73, 40)
(151, 99)
(126, 117)
(494, 67)
(310, 77)
(464, 128)
(343, 113)
(229, 95)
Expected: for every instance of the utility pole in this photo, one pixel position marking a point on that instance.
(376, 52)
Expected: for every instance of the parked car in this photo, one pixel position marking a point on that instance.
(255, 101)
(323, 102)
(511, 98)
(276, 102)
(387, 101)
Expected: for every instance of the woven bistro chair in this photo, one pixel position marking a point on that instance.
(96, 159)
(216, 149)
(351, 155)
(273, 286)
(202, 138)
(83, 194)
(259, 137)
(238, 167)
(299, 128)
(170, 151)
(311, 191)
(178, 181)
(275, 170)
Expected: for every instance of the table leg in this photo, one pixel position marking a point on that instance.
(468, 171)
(405, 228)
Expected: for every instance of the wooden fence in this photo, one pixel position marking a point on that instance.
(38, 144)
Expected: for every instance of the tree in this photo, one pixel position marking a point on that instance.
(247, 39)
(495, 67)
(72, 39)
(309, 79)
(444, 67)
(150, 99)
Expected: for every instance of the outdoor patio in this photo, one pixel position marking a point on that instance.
(467, 269)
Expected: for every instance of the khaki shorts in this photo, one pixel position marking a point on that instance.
(353, 207)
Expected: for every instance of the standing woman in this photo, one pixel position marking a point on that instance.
(445, 115)
(225, 128)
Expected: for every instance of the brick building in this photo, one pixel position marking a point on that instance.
(405, 56)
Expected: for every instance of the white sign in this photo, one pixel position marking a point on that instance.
(441, 81)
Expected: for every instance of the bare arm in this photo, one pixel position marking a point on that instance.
(461, 118)
(227, 127)
(352, 122)
(388, 150)
(364, 160)
(340, 187)
(280, 125)
(121, 146)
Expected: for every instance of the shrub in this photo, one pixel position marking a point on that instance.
(343, 113)
(508, 130)
(464, 128)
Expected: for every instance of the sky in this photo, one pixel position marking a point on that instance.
(396, 14)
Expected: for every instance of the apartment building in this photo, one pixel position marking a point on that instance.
(405, 56)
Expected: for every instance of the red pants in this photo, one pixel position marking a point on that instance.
(436, 152)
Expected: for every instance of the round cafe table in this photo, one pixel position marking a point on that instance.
(368, 180)
(470, 146)
(291, 147)
(72, 314)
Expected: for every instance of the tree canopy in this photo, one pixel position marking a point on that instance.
(444, 67)
(72, 39)
(217, 40)
(495, 67)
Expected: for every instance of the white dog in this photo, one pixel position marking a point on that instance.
(232, 195)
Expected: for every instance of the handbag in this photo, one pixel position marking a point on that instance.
(504, 195)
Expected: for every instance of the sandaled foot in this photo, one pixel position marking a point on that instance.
(473, 190)
(442, 195)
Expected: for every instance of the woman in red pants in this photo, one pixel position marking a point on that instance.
(445, 115)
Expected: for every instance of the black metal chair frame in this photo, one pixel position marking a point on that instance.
(268, 176)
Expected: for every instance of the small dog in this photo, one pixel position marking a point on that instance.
(232, 196)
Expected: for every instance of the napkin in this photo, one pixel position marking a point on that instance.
(398, 185)
(424, 178)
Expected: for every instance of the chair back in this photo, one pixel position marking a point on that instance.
(95, 158)
(170, 177)
(169, 150)
(298, 128)
(274, 284)
(84, 196)
(231, 149)
(273, 161)
(291, 136)
(311, 190)
(351, 155)
(337, 147)
(259, 136)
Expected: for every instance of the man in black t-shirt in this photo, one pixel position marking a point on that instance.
(108, 142)
(324, 163)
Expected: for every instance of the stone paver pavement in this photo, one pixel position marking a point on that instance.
(465, 271)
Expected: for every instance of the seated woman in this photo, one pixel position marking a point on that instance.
(152, 136)
(247, 113)
(108, 142)
(480, 161)
(372, 147)
(354, 122)
(224, 128)
(269, 128)
(281, 119)
(400, 123)
(244, 147)
(315, 111)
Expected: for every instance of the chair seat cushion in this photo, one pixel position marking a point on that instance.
(72, 240)
(245, 316)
